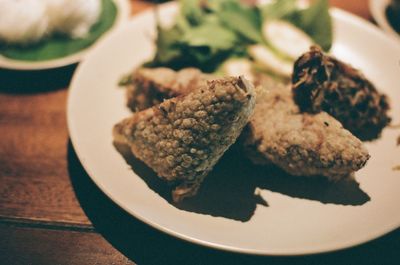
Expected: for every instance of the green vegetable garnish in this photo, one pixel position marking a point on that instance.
(316, 22)
(208, 32)
(243, 20)
(279, 9)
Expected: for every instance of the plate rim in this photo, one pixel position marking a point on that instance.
(342, 14)
(123, 12)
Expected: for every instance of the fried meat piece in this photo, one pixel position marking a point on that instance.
(323, 83)
(182, 138)
(150, 86)
(300, 144)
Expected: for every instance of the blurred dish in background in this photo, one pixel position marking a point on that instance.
(55, 40)
(387, 16)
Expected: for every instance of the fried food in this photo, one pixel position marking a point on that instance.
(323, 83)
(300, 144)
(150, 86)
(182, 138)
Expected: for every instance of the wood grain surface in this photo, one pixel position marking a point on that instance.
(34, 182)
(52, 213)
(47, 246)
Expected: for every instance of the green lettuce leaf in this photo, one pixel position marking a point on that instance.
(191, 10)
(210, 34)
(167, 45)
(207, 32)
(317, 23)
(278, 9)
(314, 20)
(245, 21)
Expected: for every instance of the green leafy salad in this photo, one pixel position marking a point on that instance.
(216, 35)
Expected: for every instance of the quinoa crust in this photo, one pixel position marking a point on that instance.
(300, 144)
(182, 138)
(149, 87)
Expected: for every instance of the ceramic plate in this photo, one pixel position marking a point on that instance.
(123, 11)
(241, 208)
(378, 11)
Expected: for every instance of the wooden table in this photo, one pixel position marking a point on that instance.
(52, 213)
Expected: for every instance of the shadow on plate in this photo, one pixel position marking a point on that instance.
(30, 82)
(230, 189)
(145, 245)
(227, 191)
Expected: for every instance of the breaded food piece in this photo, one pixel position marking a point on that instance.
(183, 138)
(150, 86)
(323, 83)
(300, 144)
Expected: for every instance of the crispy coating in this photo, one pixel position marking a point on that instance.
(183, 138)
(150, 86)
(323, 83)
(300, 144)
(315, 147)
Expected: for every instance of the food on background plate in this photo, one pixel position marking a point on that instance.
(323, 83)
(183, 138)
(22, 21)
(29, 21)
(301, 144)
(73, 17)
(40, 30)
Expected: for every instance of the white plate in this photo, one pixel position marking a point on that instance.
(295, 220)
(123, 11)
(378, 11)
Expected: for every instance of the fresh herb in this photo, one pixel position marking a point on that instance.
(167, 45)
(243, 20)
(279, 9)
(316, 22)
(208, 32)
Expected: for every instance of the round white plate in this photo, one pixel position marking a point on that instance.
(123, 11)
(378, 11)
(301, 217)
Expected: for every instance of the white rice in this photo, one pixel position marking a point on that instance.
(73, 17)
(28, 21)
(22, 21)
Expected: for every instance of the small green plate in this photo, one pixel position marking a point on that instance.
(61, 50)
